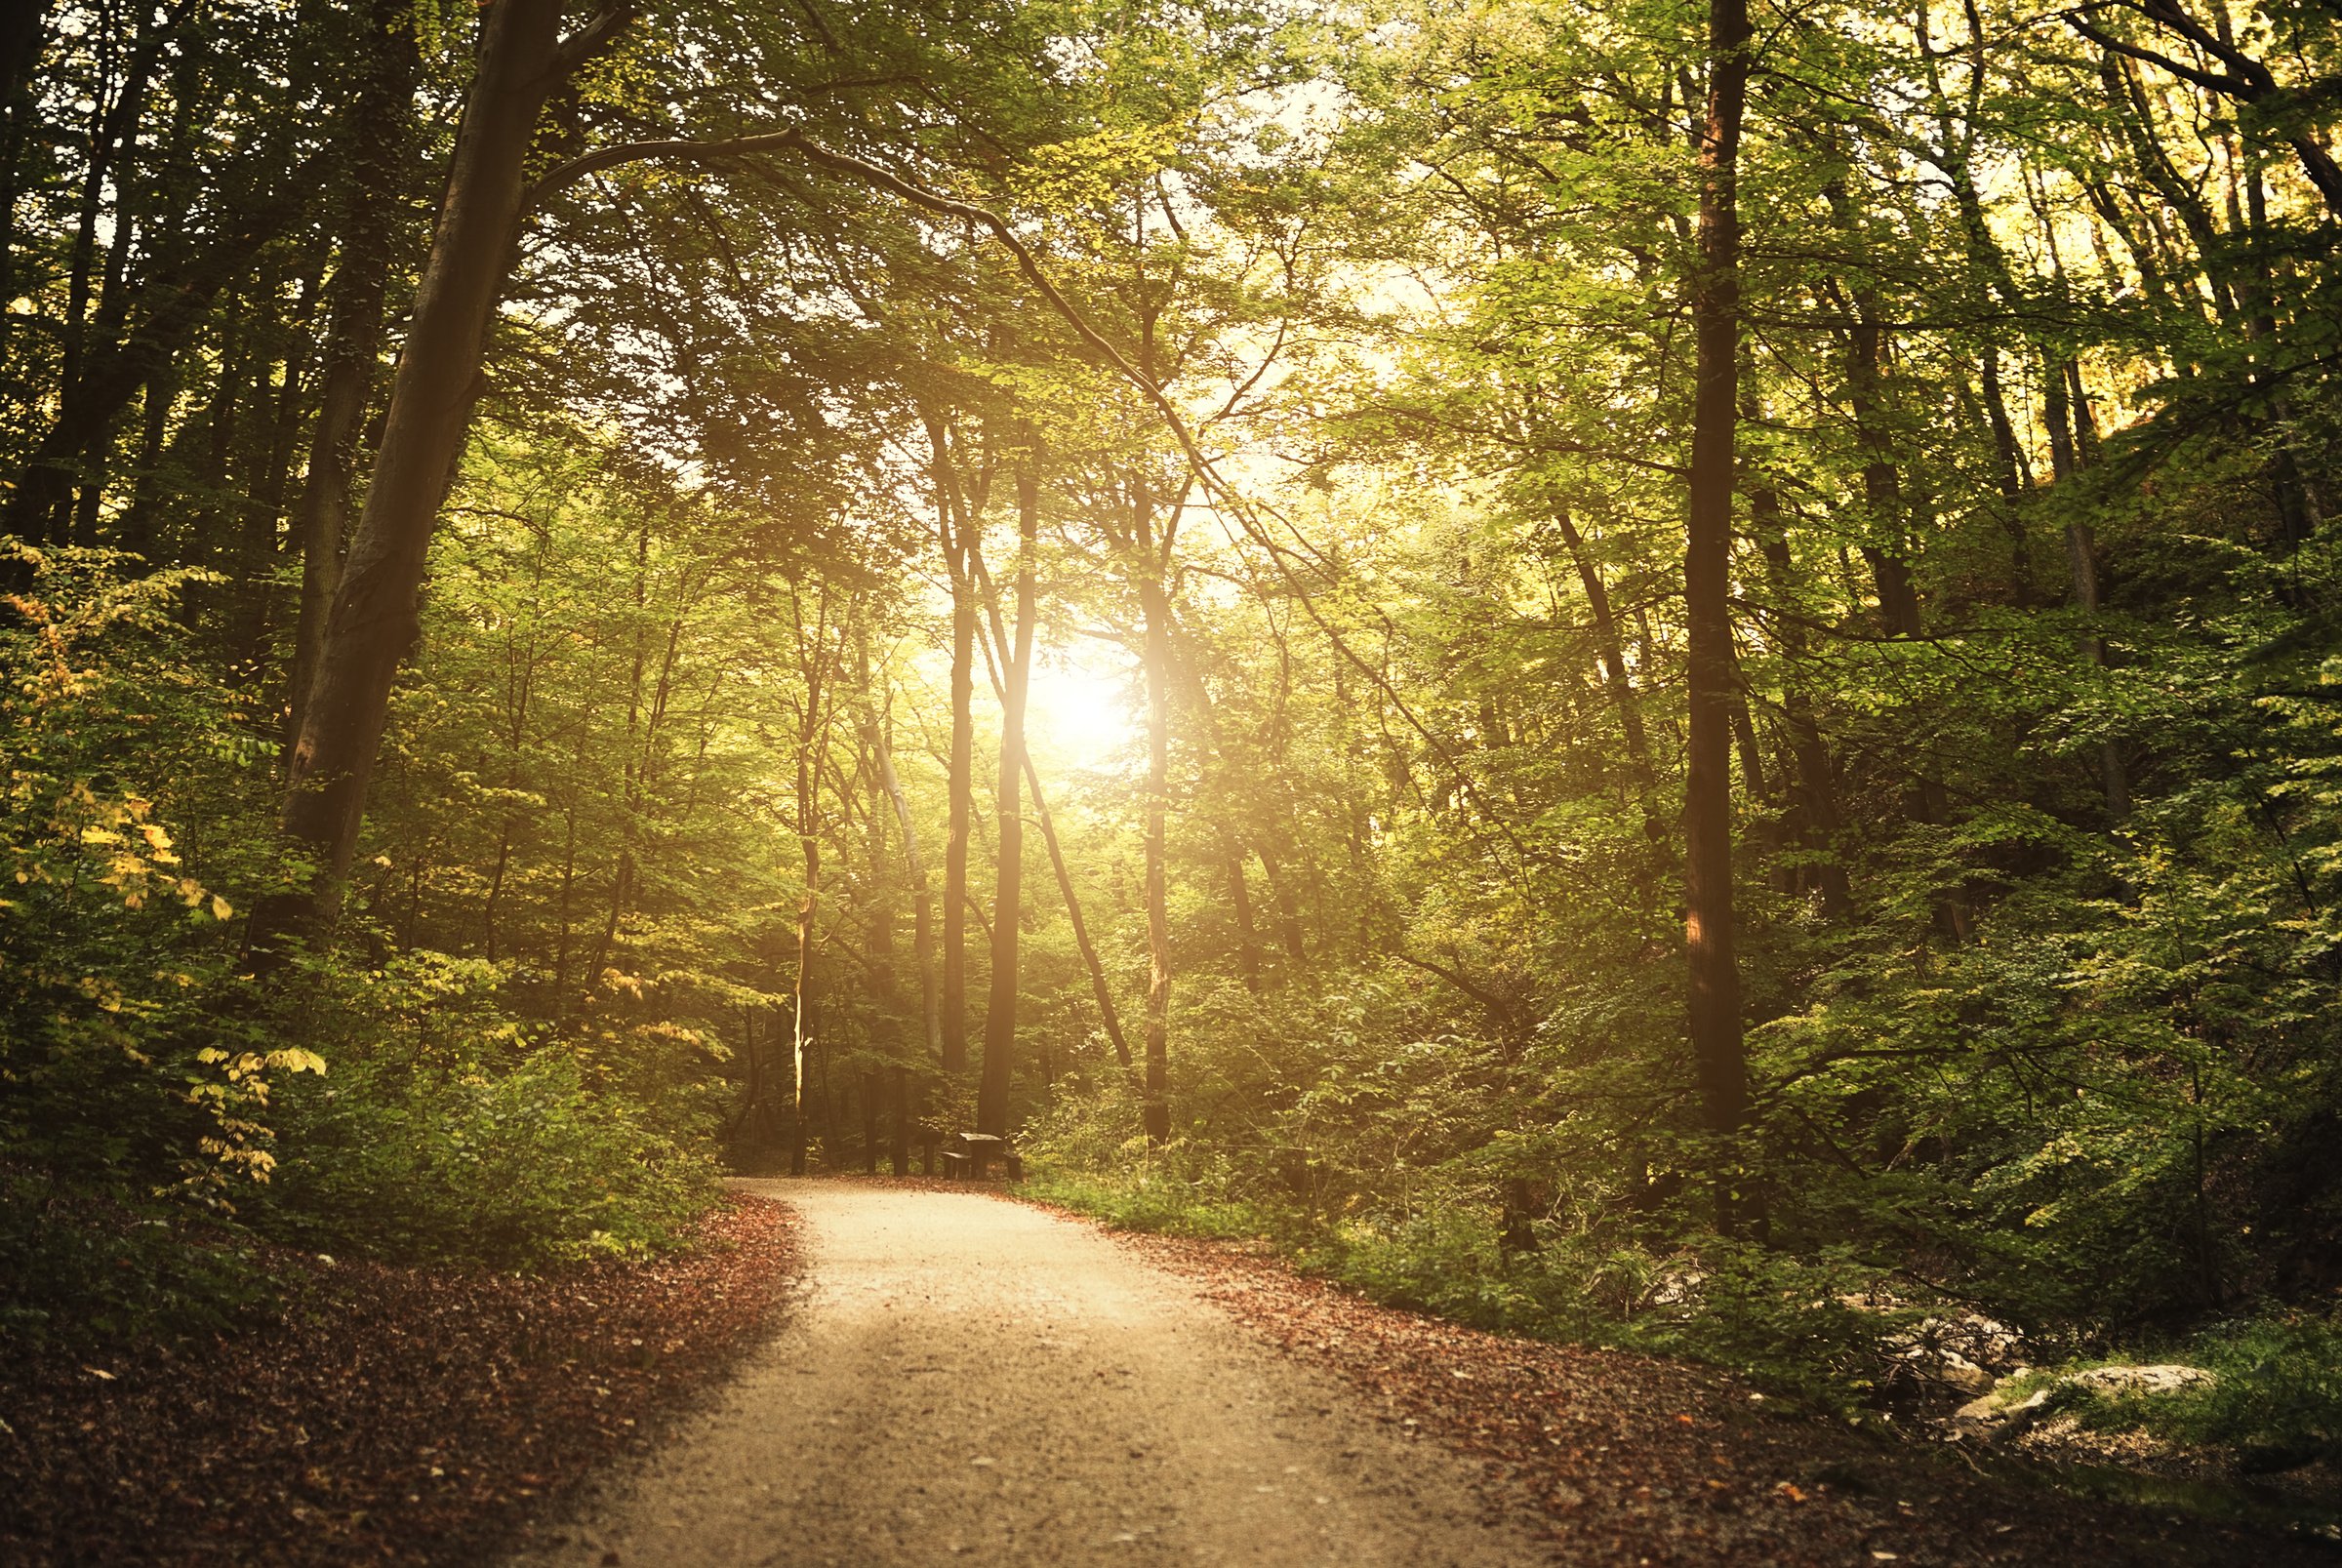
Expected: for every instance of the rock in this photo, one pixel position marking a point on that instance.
(1958, 1372)
(2153, 1380)
(1966, 1351)
(2004, 1414)
(2001, 1414)
(1677, 1287)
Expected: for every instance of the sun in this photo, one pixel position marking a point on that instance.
(1086, 712)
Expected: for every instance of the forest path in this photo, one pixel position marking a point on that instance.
(969, 1377)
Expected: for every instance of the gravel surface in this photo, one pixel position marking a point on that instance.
(968, 1376)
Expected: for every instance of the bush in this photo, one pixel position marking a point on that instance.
(155, 1101)
(76, 1269)
(126, 1060)
(2276, 1396)
(446, 1128)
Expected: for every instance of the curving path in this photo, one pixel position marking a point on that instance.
(971, 1380)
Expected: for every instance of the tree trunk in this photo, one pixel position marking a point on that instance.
(1107, 1012)
(381, 124)
(1288, 910)
(374, 619)
(1239, 902)
(1817, 788)
(1000, 1016)
(177, 299)
(2068, 453)
(800, 1000)
(24, 38)
(1718, 1049)
(813, 743)
(901, 1152)
(2082, 553)
(960, 774)
(1154, 606)
(922, 938)
(1612, 652)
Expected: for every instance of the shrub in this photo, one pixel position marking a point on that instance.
(446, 1128)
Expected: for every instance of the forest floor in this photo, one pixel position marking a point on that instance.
(384, 1416)
(971, 1376)
(955, 1374)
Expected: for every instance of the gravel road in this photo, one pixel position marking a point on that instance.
(967, 1379)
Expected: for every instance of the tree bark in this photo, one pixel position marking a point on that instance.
(1155, 608)
(2069, 451)
(1108, 1014)
(374, 619)
(24, 38)
(1239, 902)
(1612, 651)
(1817, 788)
(1713, 973)
(1000, 1014)
(813, 744)
(177, 299)
(380, 126)
(810, 847)
(959, 782)
(922, 938)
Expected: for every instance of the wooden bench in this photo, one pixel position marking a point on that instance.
(972, 1159)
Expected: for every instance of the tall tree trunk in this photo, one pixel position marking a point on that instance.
(1239, 902)
(2069, 451)
(1817, 788)
(1713, 1001)
(267, 473)
(922, 928)
(2010, 469)
(374, 619)
(959, 782)
(1612, 651)
(813, 744)
(1000, 1016)
(1109, 1015)
(382, 128)
(1155, 607)
(800, 999)
(2081, 554)
(1099, 989)
(137, 528)
(171, 304)
(901, 1152)
(1288, 909)
(24, 38)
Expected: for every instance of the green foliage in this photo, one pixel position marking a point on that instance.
(527, 1166)
(76, 1270)
(124, 1056)
(404, 1110)
(2275, 1397)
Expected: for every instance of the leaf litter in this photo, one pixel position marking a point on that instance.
(388, 1416)
(1636, 1461)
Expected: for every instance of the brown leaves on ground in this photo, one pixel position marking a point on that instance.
(1631, 1459)
(397, 1415)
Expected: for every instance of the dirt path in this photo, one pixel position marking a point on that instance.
(977, 1377)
